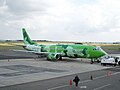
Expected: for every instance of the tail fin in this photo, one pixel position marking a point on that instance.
(26, 38)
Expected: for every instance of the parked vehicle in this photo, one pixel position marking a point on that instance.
(111, 60)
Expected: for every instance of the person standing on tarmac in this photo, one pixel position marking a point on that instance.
(116, 60)
(76, 80)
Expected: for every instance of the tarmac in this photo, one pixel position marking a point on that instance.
(16, 71)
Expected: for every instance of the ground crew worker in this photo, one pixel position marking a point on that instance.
(76, 80)
(116, 60)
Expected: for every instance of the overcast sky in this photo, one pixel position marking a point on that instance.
(61, 20)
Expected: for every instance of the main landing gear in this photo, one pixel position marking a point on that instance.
(92, 61)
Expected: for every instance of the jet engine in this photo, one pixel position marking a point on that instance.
(54, 56)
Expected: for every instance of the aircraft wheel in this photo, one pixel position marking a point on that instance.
(91, 62)
(104, 64)
(60, 57)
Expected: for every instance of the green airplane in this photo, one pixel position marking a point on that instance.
(56, 52)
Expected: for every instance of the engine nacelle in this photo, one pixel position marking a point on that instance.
(53, 56)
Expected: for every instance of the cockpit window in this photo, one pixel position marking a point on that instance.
(97, 48)
(94, 48)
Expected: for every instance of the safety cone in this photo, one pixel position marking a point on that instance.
(91, 77)
(109, 73)
(70, 82)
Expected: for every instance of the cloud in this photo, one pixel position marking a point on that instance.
(25, 6)
(74, 20)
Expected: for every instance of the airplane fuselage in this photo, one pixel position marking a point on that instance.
(73, 51)
(58, 51)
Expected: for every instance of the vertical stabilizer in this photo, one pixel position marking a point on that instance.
(26, 38)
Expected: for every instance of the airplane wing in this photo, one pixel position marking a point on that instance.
(49, 55)
(30, 51)
(22, 51)
(16, 44)
(35, 52)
